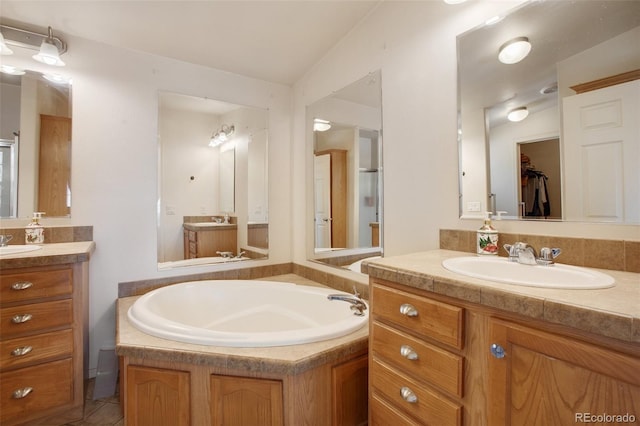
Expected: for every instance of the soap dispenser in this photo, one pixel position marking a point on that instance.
(487, 238)
(34, 231)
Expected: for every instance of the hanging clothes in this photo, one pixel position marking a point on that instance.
(535, 194)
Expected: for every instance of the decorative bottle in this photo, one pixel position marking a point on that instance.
(487, 238)
(34, 231)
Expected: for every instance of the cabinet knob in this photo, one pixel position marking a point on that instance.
(21, 285)
(497, 351)
(21, 393)
(408, 395)
(408, 310)
(408, 352)
(19, 319)
(21, 351)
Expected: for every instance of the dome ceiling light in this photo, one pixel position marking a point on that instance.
(518, 114)
(514, 50)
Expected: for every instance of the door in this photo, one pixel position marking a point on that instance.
(322, 202)
(602, 154)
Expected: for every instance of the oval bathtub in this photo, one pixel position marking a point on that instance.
(244, 313)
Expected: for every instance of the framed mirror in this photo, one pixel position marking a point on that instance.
(345, 139)
(35, 144)
(557, 163)
(212, 177)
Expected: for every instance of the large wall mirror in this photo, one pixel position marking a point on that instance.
(212, 172)
(573, 153)
(35, 144)
(344, 130)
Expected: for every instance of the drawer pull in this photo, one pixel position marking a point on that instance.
(19, 319)
(21, 393)
(21, 351)
(408, 395)
(408, 352)
(408, 310)
(21, 285)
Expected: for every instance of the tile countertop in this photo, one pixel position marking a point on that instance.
(612, 312)
(277, 360)
(49, 254)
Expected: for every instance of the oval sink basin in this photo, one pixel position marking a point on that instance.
(15, 249)
(501, 270)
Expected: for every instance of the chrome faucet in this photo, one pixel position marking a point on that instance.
(225, 254)
(240, 254)
(4, 240)
(524, 253)
(358, 306)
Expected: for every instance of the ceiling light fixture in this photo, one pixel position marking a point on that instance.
(11, 70)
(320, 125)
(518, 114)
(454, 1)
(49, 47)
(222, 135)
(514, 50)
(4, 49)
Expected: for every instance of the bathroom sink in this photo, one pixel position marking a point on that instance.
(209, 224)
(14, 249)
(557, 276)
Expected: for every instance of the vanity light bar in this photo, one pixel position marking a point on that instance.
(28, 39)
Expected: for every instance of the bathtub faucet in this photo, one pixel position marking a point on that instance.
(357, 304)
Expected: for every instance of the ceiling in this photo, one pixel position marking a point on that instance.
(276, 41)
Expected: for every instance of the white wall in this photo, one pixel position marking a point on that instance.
(414, 44)
(114, 175)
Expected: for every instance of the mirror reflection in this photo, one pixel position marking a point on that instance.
(213, 205)
(35, 144)
(345, 128)
(535, 140)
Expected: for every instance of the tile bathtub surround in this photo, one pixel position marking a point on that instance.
(616, 255)
(137, 288)
(54, 234)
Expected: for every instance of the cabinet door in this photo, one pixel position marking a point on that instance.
(157, 397)
(350, 381)
(241, 401)
(548, 379)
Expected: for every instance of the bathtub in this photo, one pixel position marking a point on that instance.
(243, 313)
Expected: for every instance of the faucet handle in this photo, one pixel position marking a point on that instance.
(547, 253)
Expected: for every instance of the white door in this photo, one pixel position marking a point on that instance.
(322, 202)
(602, 154)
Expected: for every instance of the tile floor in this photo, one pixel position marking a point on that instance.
(104, 412)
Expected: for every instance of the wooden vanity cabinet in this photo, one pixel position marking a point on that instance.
(206, 243)
(538, 373)
(332, 394)
(43, 314)
(550, 379)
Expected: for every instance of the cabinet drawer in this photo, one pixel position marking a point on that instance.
(51, 385)
(419, 359)
(24, 319)
(35, 285)
(41, 347)
(383, 414)
(436, 320)
(413, 398)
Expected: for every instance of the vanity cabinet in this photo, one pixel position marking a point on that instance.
(440, 360)
(42, 342)
(416, 368)
(207, 242)
(157, 396)
(548, 379)
(173, 393)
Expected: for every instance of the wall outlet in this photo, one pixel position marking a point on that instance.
(170, 210)
(473, 206)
